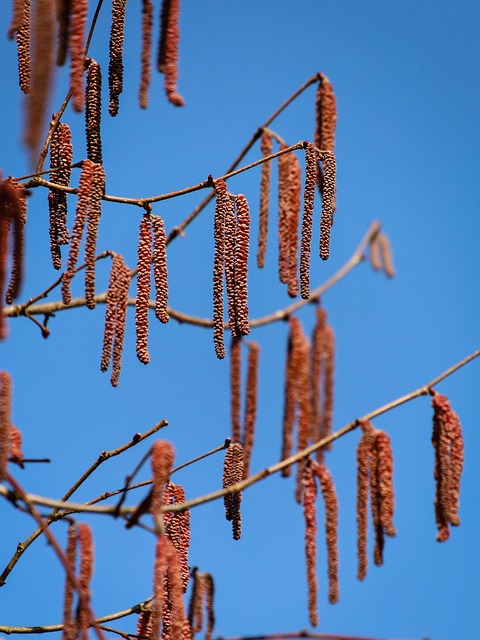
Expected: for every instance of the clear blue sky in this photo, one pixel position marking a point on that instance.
(406, 79)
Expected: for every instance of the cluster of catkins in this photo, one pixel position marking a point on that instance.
(52, 31)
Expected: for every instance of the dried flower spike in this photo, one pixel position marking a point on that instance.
(78, 23)
(168, 49)
(233, 473)
(144, 267)
(266, 149)
(115, 66)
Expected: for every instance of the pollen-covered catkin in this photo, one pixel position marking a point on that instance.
(111, 311)
(78, 23)
(123, 286)
(328, 202)
(250, 405)
(310, 516)
(177, 528)
(69, 624)
(93, 220)
(290, 389)
(364, 453)
(23, 49)
(242, 240)
(18, 212)
(307, 221)
(61, 157)
(144, 268)
(326, 115)
(86, 552)
(331, 529)
(233, 473)
(221, 205)
(5, 419)
(160, 274)
(168, 50)
(93, 111)
(229, 252)
(295, 188)
(115, 66)
(163, 456)
(283, 209)
(235, 365)
(146, 55)
(266, 149)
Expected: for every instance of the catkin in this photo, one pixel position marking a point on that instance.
(86, 551)
(144, 267)
(202, 592)
(235, 364)
(177, 528)
(69, 626)
(310, 516)
(163, 456)
(242, 240)
(317, 367)
(364, 452)
(331, 529)
(250, 405)
(221, 205)
(4, 234)
(167, 588)
(23, 48)
(61, 157)
(328, 381)
(93, 111)
(120, 321)
(78, 23)
(146, 55)
(115, 66)
(304, 407)
(386, 254)
(94, 213)
(160, 275)
(326, 115)
(290, 389)
(168, 50)
(233, 473)
(266, 149)
(295, 188)
(16, 453)
(63, 8)
(5, 420)
(385, 482)
(328, 202)
(18, 212)
(307, 221)
(111, 312)
(283, 208)
(229, 252)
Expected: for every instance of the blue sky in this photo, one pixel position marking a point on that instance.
(406, 79)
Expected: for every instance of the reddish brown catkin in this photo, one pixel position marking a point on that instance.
(331, 529)
(4, 234)
(115, 66)
(328, 382)
(242, 241)
(218, 265)
(144, 268)
(78, 23)
(375, 503)
(93, 112)
(283, 208)
(18, 212)
(168, 50)
(447, 440)
(295, 188)
(374, 253)
(162, 549)
(233, 473)
(111, 311)
(83, 202)
(69, 625)
(5, 420)
(61, 155)
(307, 222)
(316, 376)
(266, 149)
(290, 390)
(304, 409)
(146, 55)
(163, 456)
(250, 405)
(310, 515)
(42, 54)
(195, 608)
(209, 595)
(160, 274)
(16, 453)
(235, 366)
(85, 540)
(23, 49)
(386, 254)
(17, 17)
(364, 452)
(144, 625)
(326, 115)
(175, 592)
(177, 528)
(385, 482)
(328, 202)
(95, 210)
(63, 27)
(120, 321)
(229, 250)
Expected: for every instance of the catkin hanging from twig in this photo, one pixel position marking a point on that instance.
(123, 285)
(177, 528)
(93, 220)
(283, 208)
(229, 261)
(233, 473)
(447, 440)
(326, 115)
(93, 111)
(221, 205)
(307, 221)
(250, 405)
(115, 66)
(331, 529)
(61, 157)
(266, 149)
(381, 257)
(242, 240)
(304, 407)
(310, 515)
(144, 267)
(202, 592)
(69, 627)
(5, 419)
(22, 34)
(63, 8)
(160, 275)
(328, 202)
(167, 62)
(290, 389)
(235, 366)
(86, 552)
(163, 456)
(295, 187)
(78, 23)
(146, 55)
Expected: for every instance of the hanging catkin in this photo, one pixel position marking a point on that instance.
(5, 419)
(160, 274)
(328, 202)
(69, 626)
(94, 212)
(250, 405)
(290, 389)
(146, 55)
(18, 213)
(283, 208)
(144, 268)
(177, 528)
(78, 23)
(229, 260)
(167, 62)
(111, 311)
(115, 66)
(163, 456)
(328, 382)
(242, 241)
(86, 553)
(233, 473)
(123, 286)
(235, 365)
(63, 8)
(304, 407)
(221, 205)
(447, 440)
(167, 588)
(266, 149)
(202, 592)
(295, 188)
(23, 46)
(316, 376)
(364, 453)
(16, 453)
(326, 115)
(42, 60)
(310, 516)
(307, 221)
(331, 529)
(93, 111)
(61, 157)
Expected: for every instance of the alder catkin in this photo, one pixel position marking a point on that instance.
(69, 631)
(115, 65)
(328, 202)
(229, 253)
(385, 482)
(307, 221)
(146, 55)
(304, 407)
(93, 111)
(310, 516)
(94, 213)
(63, 8)
(283, 208)
(18, 212)
(195, 609)
(364, 452)
(235, 364)
(328, 382)
(120, 321)
(163, 456)
(144, 268)
(295, 188)
(86, 551)
(177, 528)
(233, 473)
(242, 241)
(250, 405)
(5, 420)
(78, 23)
(16, 453)
(61, 157)
(221, 204)
(290, 389)
(168, 50)
(386, 254)
(23, 49)
(266, 149)
(326, 115)
(111, 311)
(331, 529)
(317, 367)
(160, 274)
